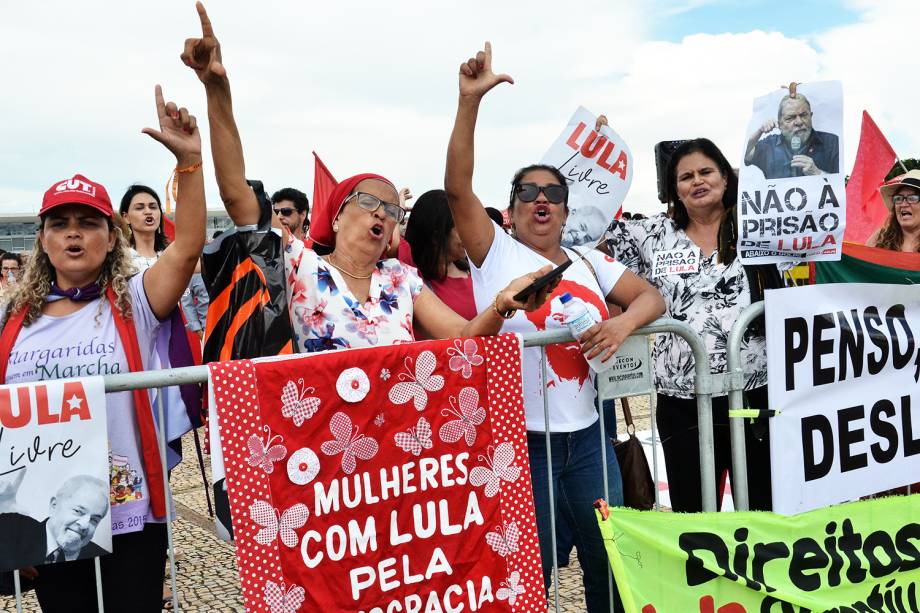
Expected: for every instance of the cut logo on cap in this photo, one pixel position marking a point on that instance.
(76, 185)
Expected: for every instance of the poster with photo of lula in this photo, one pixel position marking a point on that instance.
(54, 472)
(791, 189)
(597, 165)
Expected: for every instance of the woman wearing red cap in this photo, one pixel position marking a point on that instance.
(79, 291)
(349, 297)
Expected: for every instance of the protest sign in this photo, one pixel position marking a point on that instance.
(382, 479)
(863, 556)
(54, 472)
(843, 363)
(791, 195)
(598, 170)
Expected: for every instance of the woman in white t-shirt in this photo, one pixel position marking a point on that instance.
(538, 209)
(81, 303)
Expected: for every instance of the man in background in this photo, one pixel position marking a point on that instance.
(292, 208)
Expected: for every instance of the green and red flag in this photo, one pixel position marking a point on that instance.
(861, 264)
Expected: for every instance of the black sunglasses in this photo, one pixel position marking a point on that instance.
(285, 212)
(528, 192)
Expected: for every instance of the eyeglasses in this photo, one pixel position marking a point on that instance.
(910, 199)
(528, 192)
(7, 269)
(371, 203)
(286, 212)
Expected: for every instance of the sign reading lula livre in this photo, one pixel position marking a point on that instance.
(54, 472)
(382, 479)
(863, 556)
(598, 169)
(791, 195)
(843, 370)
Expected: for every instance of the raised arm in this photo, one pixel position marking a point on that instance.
(472, 222)
(768, 126)
(203, 56)
(165, 281)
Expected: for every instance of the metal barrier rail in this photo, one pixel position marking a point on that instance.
(703, 387)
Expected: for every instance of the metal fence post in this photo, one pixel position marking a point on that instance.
(740, 495)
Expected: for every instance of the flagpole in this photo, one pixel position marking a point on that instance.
(903, 167)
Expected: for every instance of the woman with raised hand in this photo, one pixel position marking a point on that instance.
(702, 189)
(80, 288)
(350, 297)
(538, 207)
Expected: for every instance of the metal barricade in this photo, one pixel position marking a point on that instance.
(199, 374)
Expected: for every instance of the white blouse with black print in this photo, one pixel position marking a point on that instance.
(708, 300)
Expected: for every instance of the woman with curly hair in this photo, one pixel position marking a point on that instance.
(901, 231)
(81, 302)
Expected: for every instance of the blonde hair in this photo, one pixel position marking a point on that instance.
(36, 280)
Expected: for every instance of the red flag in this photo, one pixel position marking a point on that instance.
(323, 184)
(865, 209)
(169, 228)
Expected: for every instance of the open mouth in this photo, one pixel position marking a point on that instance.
(148, 220)
(74, 250)
(541, 213)
(906, 214)
(697, 193)
(377, 230)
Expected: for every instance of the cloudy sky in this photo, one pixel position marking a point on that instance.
(372, 86)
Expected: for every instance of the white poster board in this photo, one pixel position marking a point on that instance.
(54, 472)
(843, 363)
(791, 191)
(598, 168)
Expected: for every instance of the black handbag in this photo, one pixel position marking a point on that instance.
(638, 487)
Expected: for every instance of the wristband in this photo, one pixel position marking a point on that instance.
(191, 168)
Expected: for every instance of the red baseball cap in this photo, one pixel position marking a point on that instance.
(77, 190)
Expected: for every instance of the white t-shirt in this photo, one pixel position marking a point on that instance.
(569, 383)
(86, 343)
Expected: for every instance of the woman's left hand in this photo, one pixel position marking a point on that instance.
(178, 131)
(505, 300)
(605, 338)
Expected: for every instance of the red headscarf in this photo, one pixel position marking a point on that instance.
(321, 227)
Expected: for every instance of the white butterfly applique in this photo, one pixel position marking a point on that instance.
(500, 468)
(469, 415)
(511, 588)
(274, 523)
(263, 453)
(416, 438)
(281, 601)
(416, 387)
(297, 404)
(504, 540)
(348, 442)
(464, 359)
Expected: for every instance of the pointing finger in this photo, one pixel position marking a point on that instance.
(487, 56)
(158, 98)
(206, 30)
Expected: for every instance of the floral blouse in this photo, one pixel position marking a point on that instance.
(709, 296)
(325, 314)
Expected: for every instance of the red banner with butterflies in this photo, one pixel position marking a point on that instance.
(381, 480)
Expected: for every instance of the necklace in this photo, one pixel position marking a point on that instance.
(345, 272)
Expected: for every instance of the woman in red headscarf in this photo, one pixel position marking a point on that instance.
(348, 297)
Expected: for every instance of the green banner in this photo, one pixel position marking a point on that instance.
(860, 264)
(851, 558)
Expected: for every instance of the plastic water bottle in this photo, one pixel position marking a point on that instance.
(578, 319)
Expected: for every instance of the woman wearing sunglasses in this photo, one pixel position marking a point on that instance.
(538, 209)
(349, 296)
(901, 231)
